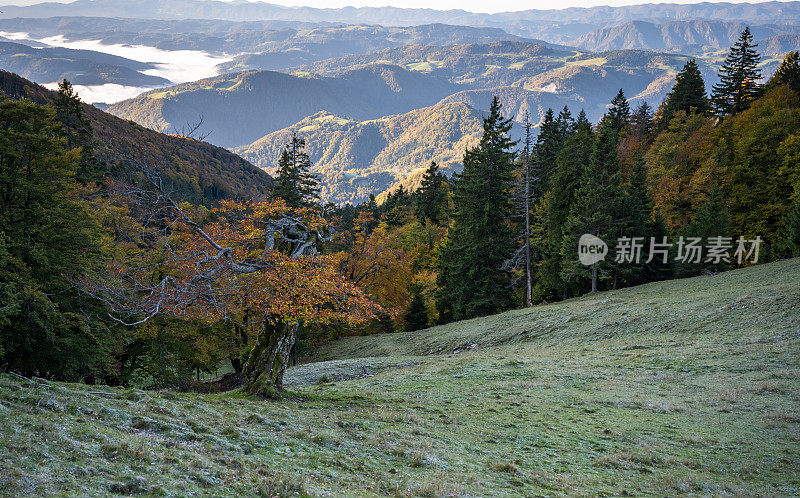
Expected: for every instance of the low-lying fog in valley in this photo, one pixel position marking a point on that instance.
(178, 66)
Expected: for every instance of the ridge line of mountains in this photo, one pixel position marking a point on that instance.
(372, 89)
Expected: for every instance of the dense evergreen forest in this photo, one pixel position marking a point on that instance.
(117, 279)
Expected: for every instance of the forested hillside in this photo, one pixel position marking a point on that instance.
(354, 159)
(200, 172)
(241, 107)
(81, 67)
(681, 36)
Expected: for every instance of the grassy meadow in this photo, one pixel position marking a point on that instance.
(681, 387)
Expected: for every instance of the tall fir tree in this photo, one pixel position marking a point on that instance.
(688, 94)
(548, 144)
(788, 73)
(710, 220)
(472, 280)
(636, 221)
(295, 183)
(416, 317)
(430, 199)
(739, 77)
(597, 204)
(642, 120)
(77, 130)
(793, 225)
(572, 160)
(619, 114)
(565, 124)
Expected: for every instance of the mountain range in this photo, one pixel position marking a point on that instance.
(690, 36)
(520, 23)
(376, 92)
(239, 108)
(354, 159)
(80, 67)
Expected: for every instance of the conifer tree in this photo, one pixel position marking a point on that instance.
(397, 206)
(642, 120)
(597, 204)
(548, 144)
(688, 94)
(793, 225)
(416, 316)
(77, 130)
(430, 199)
(572, 160)
(636, 220)
(294, 183)
(371, 207)
(710, 220)
(619, 114)
(565, 123)
(788, 73)
(739, 77)
(472, 280)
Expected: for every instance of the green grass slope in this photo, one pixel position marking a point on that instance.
(682, 387)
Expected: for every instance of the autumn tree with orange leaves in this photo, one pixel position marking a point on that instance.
(260, 256)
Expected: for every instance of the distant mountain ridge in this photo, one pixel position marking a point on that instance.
(81, 67)
(357, 158)
(239, 108)
(679, 36)
(393, 16)
(569, 76)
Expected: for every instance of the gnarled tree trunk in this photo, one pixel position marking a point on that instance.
(268, 361)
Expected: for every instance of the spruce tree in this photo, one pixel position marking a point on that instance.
(430, 199)
(642, 120)
(572, 160)
(710, 220)
(636, 220)
(371, 207)
(416, 316)
(77, 130)
(793, 225)
(597, 203)
(294, 183)
(688, 94)
(619, 114)
(739, 77)
(565, 123)
(472, 280)
(548, 144)
(788, 73)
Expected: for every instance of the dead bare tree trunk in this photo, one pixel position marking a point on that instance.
(268, 361)
(528, 285)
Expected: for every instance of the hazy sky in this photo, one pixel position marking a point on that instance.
(471, 5)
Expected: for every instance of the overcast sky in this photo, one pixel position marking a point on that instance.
(471, 5)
